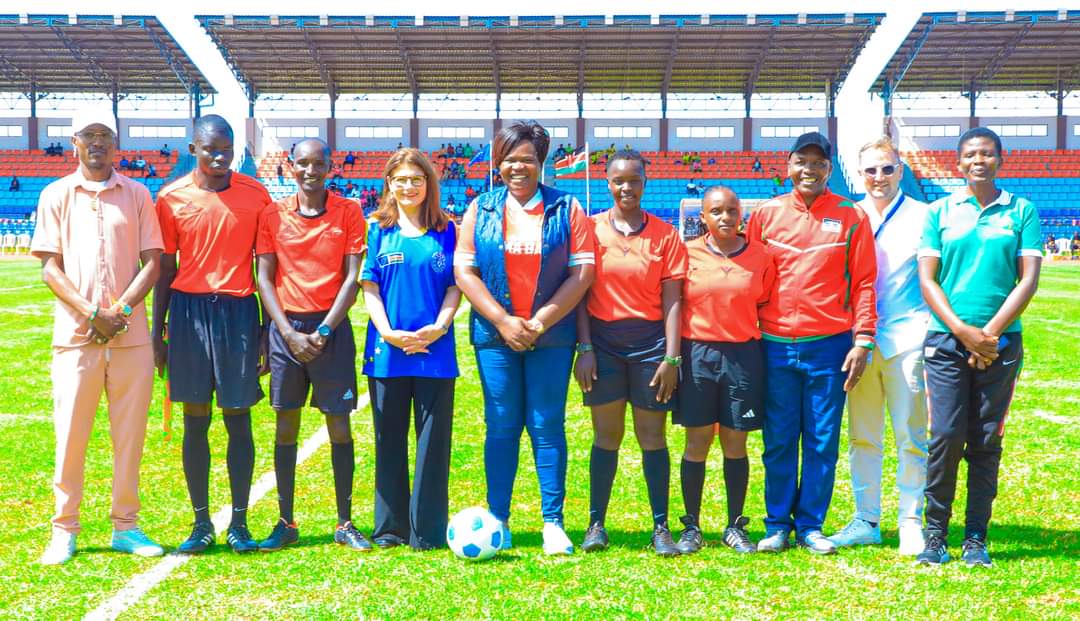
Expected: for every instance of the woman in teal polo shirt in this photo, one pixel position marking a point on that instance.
(979, 266)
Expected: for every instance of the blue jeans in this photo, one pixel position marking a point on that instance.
(525, 390)
(804, 401)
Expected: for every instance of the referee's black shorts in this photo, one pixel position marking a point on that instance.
(214, 349)
(331, 376)
(722, 383)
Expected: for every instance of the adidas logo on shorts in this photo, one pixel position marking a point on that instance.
(348, 394)
(749, 414)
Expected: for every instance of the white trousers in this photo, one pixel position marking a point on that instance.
(897, 384)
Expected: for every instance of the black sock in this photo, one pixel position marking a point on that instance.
(285, 469)
(196, 459)
(241, 460)
(657, 467)
(602, 466)
(343, 461)
(736, 478)
(692, 476)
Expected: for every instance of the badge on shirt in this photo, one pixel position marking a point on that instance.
(439, 262)
(390, 258)
(831, 225)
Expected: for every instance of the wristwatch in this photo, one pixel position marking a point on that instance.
(324, 330)
(584, 348)
(675, 362)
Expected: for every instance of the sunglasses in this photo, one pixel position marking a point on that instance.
(886, 170)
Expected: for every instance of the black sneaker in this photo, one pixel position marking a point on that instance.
(389, 540)
(936, 552)
(202, 537)
(347, 535)
(662, 542)
(691, 539)
(284, 534)
(596, 538)
(239, 538)
(975, 554)
(736, 537)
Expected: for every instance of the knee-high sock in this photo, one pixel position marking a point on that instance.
(736, 478)
(285, 469)
(343, 460)
(196, 459)
(692, 478)
(602, 466)
(657, 467)
(241, 460)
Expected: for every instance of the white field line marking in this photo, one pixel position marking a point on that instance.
(21, 288)
(141, 584)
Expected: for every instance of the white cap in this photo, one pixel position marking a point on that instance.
(86, 117)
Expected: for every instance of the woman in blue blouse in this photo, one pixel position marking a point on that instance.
(409, 355)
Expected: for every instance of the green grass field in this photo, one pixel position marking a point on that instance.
(1035, 534)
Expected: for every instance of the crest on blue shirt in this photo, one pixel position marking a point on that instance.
(438, 262)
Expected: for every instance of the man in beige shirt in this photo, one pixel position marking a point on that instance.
(99, 243)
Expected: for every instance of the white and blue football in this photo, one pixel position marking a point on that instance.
(474, 534)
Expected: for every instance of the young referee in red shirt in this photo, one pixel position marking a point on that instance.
(723, 372)
(308, 252)
(628, 345)
(209, 218)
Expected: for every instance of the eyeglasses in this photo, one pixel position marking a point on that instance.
(886, 170)
(90, 137)
(401, 182)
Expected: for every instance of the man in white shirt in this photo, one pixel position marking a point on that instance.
(894, 376)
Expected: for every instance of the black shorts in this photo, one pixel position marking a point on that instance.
(722, 383)
(627, 355)
(331, 376)
(214, 349)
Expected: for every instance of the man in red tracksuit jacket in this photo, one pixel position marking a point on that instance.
(818, 330)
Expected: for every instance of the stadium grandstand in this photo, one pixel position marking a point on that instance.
(707, 98)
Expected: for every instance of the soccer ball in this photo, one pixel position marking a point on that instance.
(474, 534)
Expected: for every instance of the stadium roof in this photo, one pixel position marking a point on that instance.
(977, 52)
(691, 53)
(93, 53)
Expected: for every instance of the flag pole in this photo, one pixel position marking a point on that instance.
(588, 165)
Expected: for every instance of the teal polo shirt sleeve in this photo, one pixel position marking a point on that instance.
(1030, 230)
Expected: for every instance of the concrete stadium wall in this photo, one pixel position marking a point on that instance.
(733, 143)
(154, 144)
(429, 144)
(758, 143)
(1049, 141)
(370, 144)
(1072, 132)
(569, 123)
(641, 144)
(266, 142)
(43, 132)
(15, 142)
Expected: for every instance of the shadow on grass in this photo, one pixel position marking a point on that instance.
(1016, 541)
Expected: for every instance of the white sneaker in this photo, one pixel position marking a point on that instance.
(555, 539)
(60, 549)
(858, 532)
(912, 542)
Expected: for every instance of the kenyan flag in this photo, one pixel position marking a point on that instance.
(575, 162)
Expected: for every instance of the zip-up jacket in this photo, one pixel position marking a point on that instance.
(825, 267)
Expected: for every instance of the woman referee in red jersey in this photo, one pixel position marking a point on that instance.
(628, 345)
(723, 373)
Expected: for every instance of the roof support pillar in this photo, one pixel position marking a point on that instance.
(414, 122)
(747, 125)
(972, 95)
(196, 100)
(1062, 122)
(32, 122)
(116, 111)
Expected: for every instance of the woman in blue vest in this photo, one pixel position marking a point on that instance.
(524, 260)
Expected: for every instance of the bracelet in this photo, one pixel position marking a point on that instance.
(584, 348)
(94, 314)
(675, 362)
(868, 345)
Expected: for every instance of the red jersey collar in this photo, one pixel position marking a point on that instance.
(798, 203)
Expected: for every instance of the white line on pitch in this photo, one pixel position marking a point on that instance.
(141, 584)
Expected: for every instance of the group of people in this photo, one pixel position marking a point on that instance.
(138, 164)
(1064, 246)
(449, 151)
(55, 149)
(818, 302)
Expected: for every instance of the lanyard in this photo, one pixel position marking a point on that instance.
(888, 216)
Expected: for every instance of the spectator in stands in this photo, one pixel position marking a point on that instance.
(459, 151)
(469, 151)
(14, 185)
(523, 324)
(778, 181)
(451, 206)
(350, 189)
(693, 188)
(350, 159)
(695, 165)
(309, 249)
(165, 152)
(1075, 246)
(470, 193)
(442, 151)
(1051, 245)
(292, 151)
(756, 166)
(150, 171)
(893, 377)
(686, 157)
(979, 264)
(125, 163)
(818, 329)
(339, 172)
(100, 329)
(450, 151)
(280, 170)
(215, 349)
(139, 163)
(559, 154)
